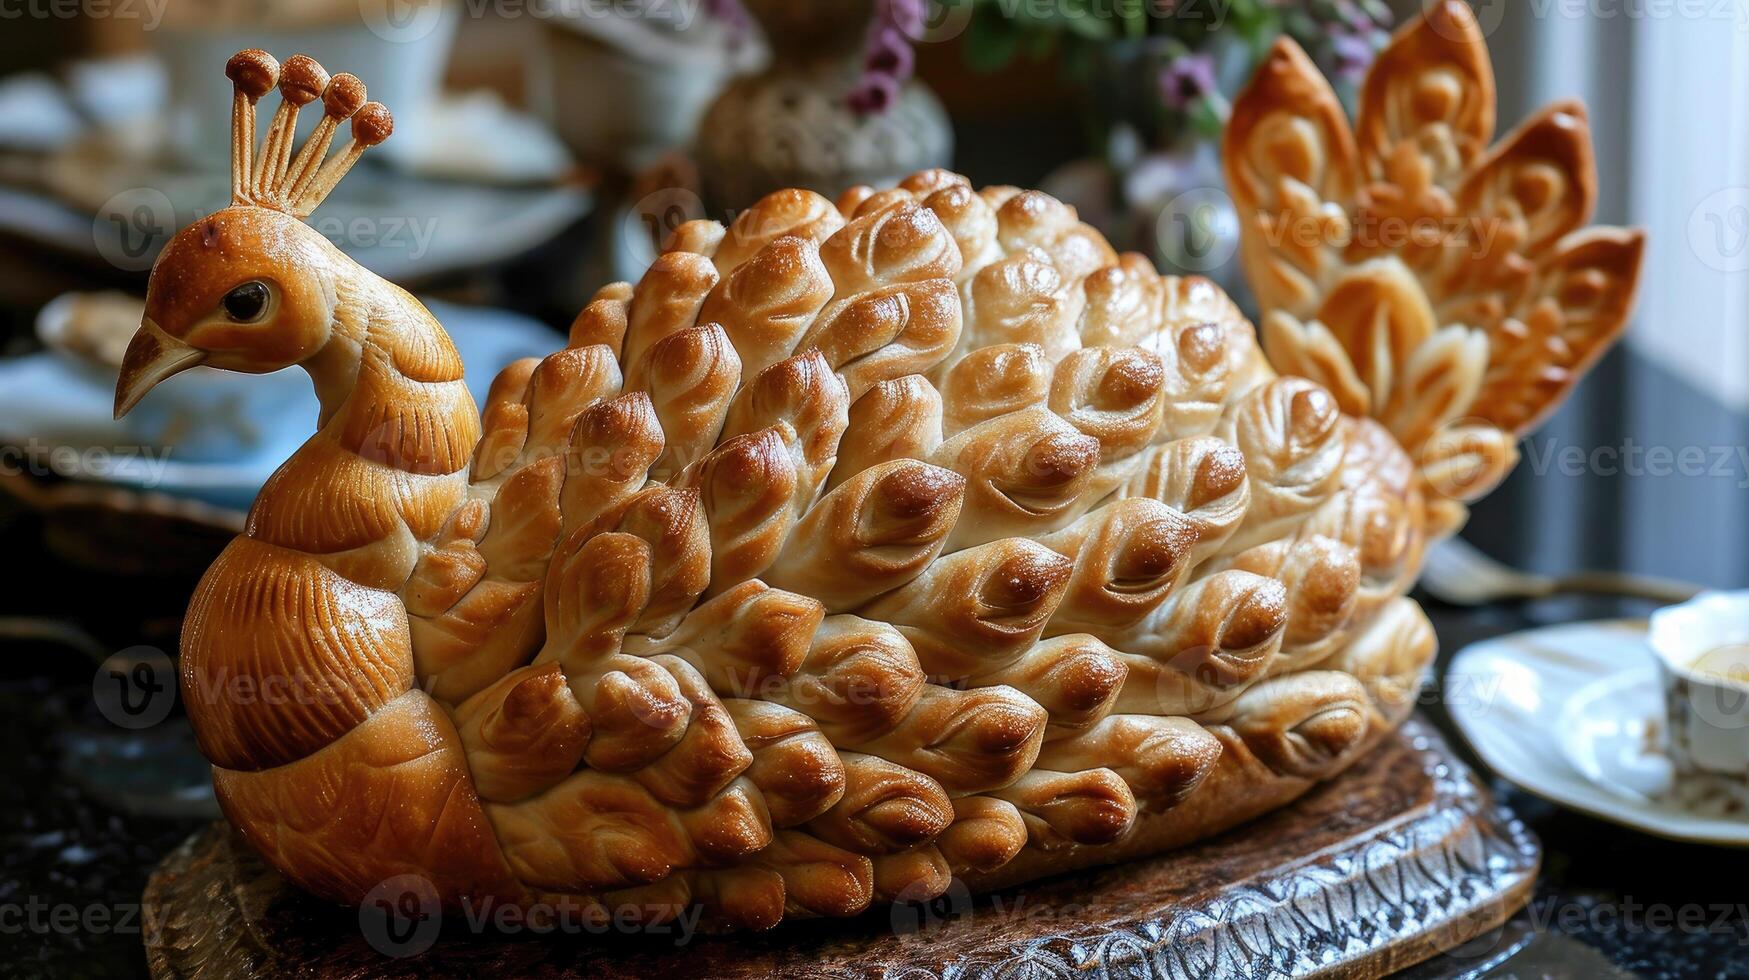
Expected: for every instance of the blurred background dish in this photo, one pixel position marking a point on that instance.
(108, 213)
(215, 436)
(1702, 649)
(59, 396)
(478, 186)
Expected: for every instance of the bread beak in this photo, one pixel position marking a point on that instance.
(152, 356)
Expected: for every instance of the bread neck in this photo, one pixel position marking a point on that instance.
(390, 382)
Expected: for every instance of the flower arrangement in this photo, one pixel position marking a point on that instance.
(1189, 45)
(1166, 63)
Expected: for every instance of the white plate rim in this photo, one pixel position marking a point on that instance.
(1570, 789)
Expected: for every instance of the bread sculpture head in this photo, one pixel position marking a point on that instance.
(860, 546)
(251, 287)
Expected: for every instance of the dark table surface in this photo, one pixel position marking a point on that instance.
(84, 811)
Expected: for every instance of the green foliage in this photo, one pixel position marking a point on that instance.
(1000, 31)
(1121, 52)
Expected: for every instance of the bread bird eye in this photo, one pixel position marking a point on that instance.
(247, 302)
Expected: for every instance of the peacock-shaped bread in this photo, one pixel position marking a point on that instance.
(863, 545)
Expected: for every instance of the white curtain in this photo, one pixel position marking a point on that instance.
(1647, 468)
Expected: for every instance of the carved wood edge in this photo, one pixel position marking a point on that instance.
(1445, 869)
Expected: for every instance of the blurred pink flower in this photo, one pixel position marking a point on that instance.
(1353, 54)
(1187, 80)
(889, 53)
(876, 93)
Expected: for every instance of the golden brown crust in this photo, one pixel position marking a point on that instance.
(604, 320)
(690, 375)
(808, 405)
(795, 767)
(390, 797)
(979, 609)
(1241, 785)
(743, 639)
(747, 486)
(262, 694)
(887, 332)
(860, 679)
(872, 534)
(768, 300)
(969, 741)
(993, 381)
(793, 212)
(1026, 472)
(892, 420)
(523, 734)
(1075, 679)
(667, 299)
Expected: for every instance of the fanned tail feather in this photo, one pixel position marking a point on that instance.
(1450, 290)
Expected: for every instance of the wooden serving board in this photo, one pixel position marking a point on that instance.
(1401, 858)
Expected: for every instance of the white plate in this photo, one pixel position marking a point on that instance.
(1571, 714)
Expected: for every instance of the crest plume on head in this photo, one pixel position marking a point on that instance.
(272, 177)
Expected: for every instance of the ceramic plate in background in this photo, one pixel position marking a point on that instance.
(1572, 714)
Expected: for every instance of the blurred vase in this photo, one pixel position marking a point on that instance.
(791, 125)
